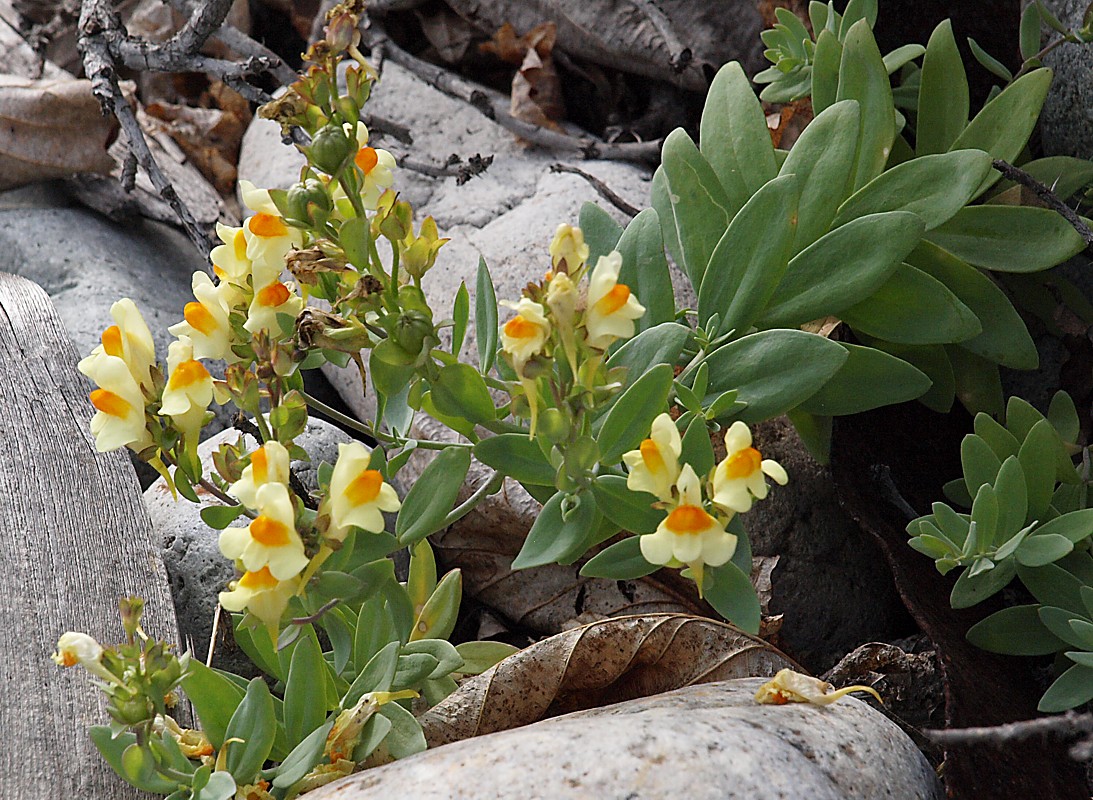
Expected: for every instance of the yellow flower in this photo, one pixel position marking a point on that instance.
(568, 250)
(267, 234)
(268, 464)
(419, 253)
(189, 389)
(612, 309)
(78, 648)
(206, 321)
(130, 340)
(358, 494)
(561, 298)
(739, 478)
(793, 687)
(654, 466)
(375, 165)
(524, 336)
(261, 594)
(269, 301)
(349, 724)
(271, 539)
(230, 262)
(689, 534)
(119, 402)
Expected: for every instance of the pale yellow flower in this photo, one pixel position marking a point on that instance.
(654, 466)
(268, 464)
(261, 594)
(206, 321)
(268, 236)
(189, 389)
(269, 301)
(358, 495)
(271, 539)
(689, 534)
(612, 308)
(739, 479)
(128, 339)
(230, 262)
(524, 336)
(376, 166)
(568, 250)
(119, 402)
(78, 648)
(561, 298)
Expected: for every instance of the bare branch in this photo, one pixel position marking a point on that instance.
(454, 167)
(1049, 197)
(605, 191)
(1067, 724)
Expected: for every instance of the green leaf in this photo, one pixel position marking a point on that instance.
(601, 232)
(734, 136)
(516, 455)
(460, 391)
(842, 268)
(377, 676)
(305, 690)
(355, 237)
(978, 384)
(1064, 175)
(1075, 526)
(253, 722)
(858, 10)
(1030, 31)
(485, 318)
(985, 517)
(621, 561)
(1043, 548)
(1015, 631)
(405, 738)
(1071, 689)
(1004, 339)
(447, 657)
(868, 379)
(943, 94)
(480, 656)
(902, 56)
(303, 757)
(1053, 586)
(773, 371)
(935, 187)
(697, 449)
(214, 698)
(556, 537)
(825, 70)
(220, 517)
(1012, 494)
(438, 616)
(632, 511)
(412, 669)
(751, 257)
(968, 591)
(461, 313)
(989, 62)
(1004, 125)
(733, 597)
(645, 269)
(863, 77)
(1008, 238)
(933, 362)
(432, 496)
(1001, 441)
(823, 161)
(913, 308)
(979, 462)
(698, 210)
(628, 421)
(1037, 456)
(1063, 415)
(661, 344)
(112, 749)
(373, 733)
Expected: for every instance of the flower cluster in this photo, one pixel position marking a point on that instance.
(693, 532)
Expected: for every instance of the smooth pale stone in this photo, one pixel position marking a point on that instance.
(706, 742)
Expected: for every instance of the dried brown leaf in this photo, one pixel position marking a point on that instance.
(52, 129)
(599, 664)
(448, 33)
(209, 137)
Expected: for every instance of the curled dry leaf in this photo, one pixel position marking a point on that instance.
(209, 137)
(52, 129)
(536, 88)
(599, 664)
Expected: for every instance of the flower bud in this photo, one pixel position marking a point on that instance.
(330, 149)
(310, 202)
(130, 710)
(411, 329)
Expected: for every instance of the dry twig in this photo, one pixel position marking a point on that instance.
(1068, 724)
(605, 191)
(1049, 198)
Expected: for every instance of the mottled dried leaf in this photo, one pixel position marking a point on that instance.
(599, 664)
(52, 129)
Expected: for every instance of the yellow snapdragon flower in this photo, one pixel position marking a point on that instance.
(119, 405)
(568, 250)
(524, 336)
(271, 539)
(376, 165)
(261, 594)
(78, 648)
(358, 495)
(230, 262)
(189, 390)
(269, 301)
(654, 466)
(205, 321)
(612, 308)
(268, 236)
(268, 464)
(128, 339)
(739, 478)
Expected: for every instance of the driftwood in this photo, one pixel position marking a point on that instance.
(76, 538)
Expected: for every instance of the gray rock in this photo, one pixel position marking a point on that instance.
(1066, 126)
(702, 742)
(195, 567)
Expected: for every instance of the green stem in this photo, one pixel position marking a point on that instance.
(380, 436)
(1027, 66)
(492, 486)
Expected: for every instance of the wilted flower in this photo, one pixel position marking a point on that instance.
(739, 478)
(78, 648)
(206, 321)
(268, 464)
(261, 594)
(270, 301)
(568, 250)
(612, 309)
(189, 389)
(523, 336)
(654, 466)
(788, 686)
(271, 539)
(358, 495)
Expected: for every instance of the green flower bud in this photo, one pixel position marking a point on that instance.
(130, 710)
(331, 149)
(411, 329)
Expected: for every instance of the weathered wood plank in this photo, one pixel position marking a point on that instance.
(75, 537)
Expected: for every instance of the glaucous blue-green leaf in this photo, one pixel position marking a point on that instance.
(1075, 526)
(902, 56)
(815, 433)
(985, 517)
(698, 209)
(405, 738)
(751, 258)
(1052, 585)
(858, 10)
(1029, 31)
(978, 384)
(628, 421)
(661, 344)
(305, 690)
(868, 379)
(645, 269)
(1064, 175)
(1058, 621)
(1063, 415)
(932, 361)
(733, 597)
(601, 232)
(1015, 631)
(622, 561)
(632, 511)
(214, 698)
(220, 517)
(863, 77)
(660, 198)
(112, 749)
(913, 308)
(979, 462)
(1071, 689)
(825, 70)
(485, 317)
(480, 656)
(823, 161)
(1012, 493)
(557, 537)
(943, 94)
(842, 268)
(438, 616)
(1004, 125)
(376, 676)
(969, 590)
(1001, 441)
(460, 391)
(303, 757)
(696, 447)
(734, 137)
(1037, 455)
(935, 187)
(255, 724)
(412, 669)
(461, 314)
(1043, 548)
(355, 237)
(1004, 338)
(432, 495)
(1008, 238)
(447, 657)
(516, 455)
(773, 371)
